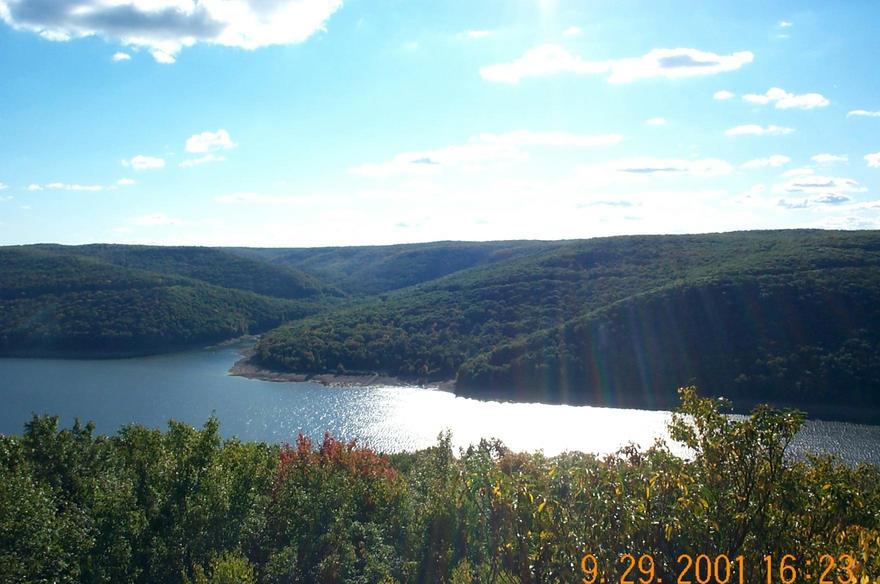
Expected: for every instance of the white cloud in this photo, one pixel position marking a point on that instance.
(120, 56)
(209, 142)
(817, 191)
(656, 122)
(669, 63)
(141, 162)
(785, 24)
(670, 166)
(262, 199)
(164, 57)
(34, 187)
(483, 148)
(476, 34)
(58, 186)
(774, 161)
(800, 171)
(756, 130)
(722, 95)
(207, 158)
(829, 158)
(786, 100)
(164, 27)
(125, 182)
(873, 160)
(3, 186)
(863, 113)
(814, 201)
(156, 220)
(572, 31)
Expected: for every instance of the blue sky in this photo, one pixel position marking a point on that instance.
(320, 122)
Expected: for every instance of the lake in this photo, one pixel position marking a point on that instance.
(193, 385)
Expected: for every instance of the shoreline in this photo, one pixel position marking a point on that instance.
(244, 367)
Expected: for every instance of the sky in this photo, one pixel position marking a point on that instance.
(329, 122)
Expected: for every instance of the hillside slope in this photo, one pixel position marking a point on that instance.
(61, 303)
(213, 266)
(366, 270)
(498, 327)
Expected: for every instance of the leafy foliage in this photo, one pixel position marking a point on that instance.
(185, 505)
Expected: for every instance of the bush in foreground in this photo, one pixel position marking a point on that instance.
(183, 505)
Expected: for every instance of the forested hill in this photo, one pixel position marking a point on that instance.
(786, 316)
(794, 314)
(64, 301)
(369, 270)
(213, 266)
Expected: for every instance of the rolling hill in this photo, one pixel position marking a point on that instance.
(789, 316)
(63, 301)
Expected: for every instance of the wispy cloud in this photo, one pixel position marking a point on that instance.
(156, 220)
(785, 24)
(814, 201)
(206, 159)
(756, 130)
(774, 161)
(62, 186)
(667, 63)
(483, 148)
(572, 31)
(829, 158)
(722, 95)
(262, 199)
(814, 187)
(164, 27)
(142, 162)
(656, 122)
(873, 160)
(120, 56)
(58, 186)
(785, 100)
(475, 34)
(863, 113)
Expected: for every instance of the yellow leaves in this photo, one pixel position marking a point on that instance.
(704, 503)
(541, 506)
(667, 532)
(496, 490)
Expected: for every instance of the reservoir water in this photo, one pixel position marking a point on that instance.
(192, 386)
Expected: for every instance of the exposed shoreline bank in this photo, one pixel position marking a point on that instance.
(246, 368)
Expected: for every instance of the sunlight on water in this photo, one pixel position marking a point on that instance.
(421, 415)
(192, 386)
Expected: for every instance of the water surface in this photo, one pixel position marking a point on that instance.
(192, 386)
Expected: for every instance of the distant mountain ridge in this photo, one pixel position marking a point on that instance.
(790, 317)
(626, 320)
(88, 301)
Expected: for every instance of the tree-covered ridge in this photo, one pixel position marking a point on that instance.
(434, 329)
(184, 505)
(369, 270)
(28, 272)
(808, 338)
(210, 265)
(60, 303)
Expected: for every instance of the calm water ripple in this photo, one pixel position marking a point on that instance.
(192, 386)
